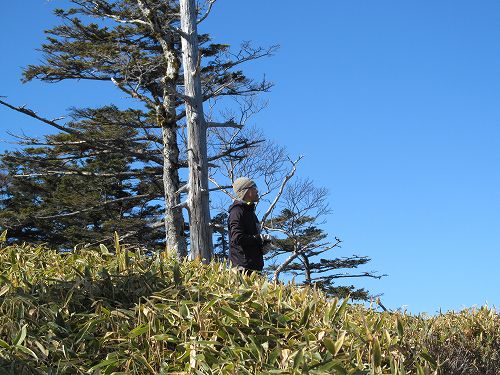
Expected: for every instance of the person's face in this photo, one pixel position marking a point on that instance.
(252, 195)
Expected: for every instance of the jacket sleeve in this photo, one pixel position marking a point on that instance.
(237, 230)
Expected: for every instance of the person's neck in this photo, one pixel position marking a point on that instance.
(249, 203)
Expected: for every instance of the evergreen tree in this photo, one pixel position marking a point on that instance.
(136, 46)
(221, 245)
(65, 192)
(304, 249)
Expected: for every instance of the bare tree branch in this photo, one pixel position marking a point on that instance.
(33, 114)
(207, 12)
(229, 124)
(280, 192)
(221, 188)
(283, 265)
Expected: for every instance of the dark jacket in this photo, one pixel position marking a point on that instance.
(245, 244)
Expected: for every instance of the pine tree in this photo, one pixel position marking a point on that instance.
(136, 46)
(304, 249)
(76, 194)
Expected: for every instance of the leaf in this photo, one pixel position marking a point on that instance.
(26, 350)
(377, 354)
(305, 317)
(117, 242)
(184, 311)
(285, 354)
(143, 360)
(420, 370)
(233, 314)
(4, 289)
(297, 360)
(104, 250)
(3, 344)
(341, 310)
(137, 331)
(399, 323)
(394, 369)
(387, 337)
(264, 289)
(339, 369)
(20, 336)
(42, 349)
(244, 297)
(207, 342)
(427, 357)
(165, 337)
(332, 310)
(104, 363)
(3, 236)
(273, 356)
(329, 344)
(177, 273)
(339, 342)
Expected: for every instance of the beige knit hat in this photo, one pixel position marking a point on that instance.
(241, 185)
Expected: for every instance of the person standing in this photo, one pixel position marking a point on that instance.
(246, 243)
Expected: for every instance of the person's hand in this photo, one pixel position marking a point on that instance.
(266, 238)
(269, 245)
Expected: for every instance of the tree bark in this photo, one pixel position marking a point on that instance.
(174, 220)
(282, 266)
(167, 119)
(197, 203)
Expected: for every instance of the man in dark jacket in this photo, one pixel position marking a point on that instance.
(246, 243)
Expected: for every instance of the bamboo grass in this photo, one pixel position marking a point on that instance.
(97, 312)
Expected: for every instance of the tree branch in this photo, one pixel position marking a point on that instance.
(283, 265)
(33, 114)
(134, 93)
(155, 225)
(229, 124)
(83, 173)
(221, 188)
(101, 204)
(280, 192)
(210, 5)
(229, 151)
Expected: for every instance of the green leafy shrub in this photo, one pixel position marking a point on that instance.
(94, 312)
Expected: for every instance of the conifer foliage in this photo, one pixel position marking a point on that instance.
(65, 192)
(134, 46)
(304, 248)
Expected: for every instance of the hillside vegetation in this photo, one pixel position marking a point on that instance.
(97, 312)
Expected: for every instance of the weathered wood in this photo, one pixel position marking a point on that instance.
(198, 204)
(167, 119)
(174, 220)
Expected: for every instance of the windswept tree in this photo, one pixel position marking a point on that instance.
(62, 191)
(135, 45)
(127, 163)
(304, 249)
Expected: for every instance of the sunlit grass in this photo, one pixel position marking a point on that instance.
(100, 312)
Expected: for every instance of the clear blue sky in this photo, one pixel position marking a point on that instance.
(396, 106)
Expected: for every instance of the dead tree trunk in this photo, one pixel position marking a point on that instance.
(197, 203)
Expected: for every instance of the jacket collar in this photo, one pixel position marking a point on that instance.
(238, 202)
